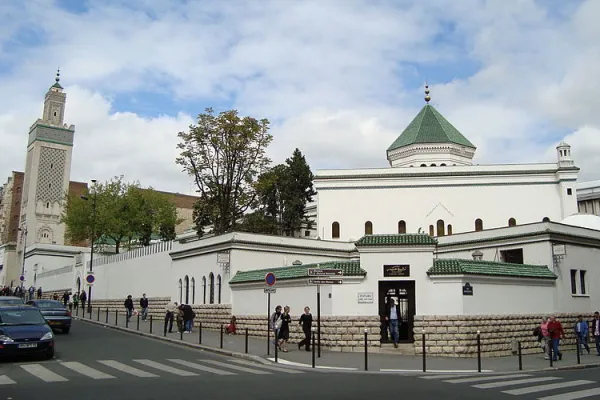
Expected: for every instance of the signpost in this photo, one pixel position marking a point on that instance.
(270, 281)
(325, 275)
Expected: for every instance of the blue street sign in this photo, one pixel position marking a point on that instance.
(22, 278)
(270, 279)
(90, 279)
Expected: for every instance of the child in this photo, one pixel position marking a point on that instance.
(231, 329)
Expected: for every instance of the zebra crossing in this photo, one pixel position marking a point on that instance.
(549, 387)
(64, 371)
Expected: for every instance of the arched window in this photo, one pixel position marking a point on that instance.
(335, 230)
(449, 229)
(193, 290)
(423, 165)
(433, 165)
(442, 165)
(512, 222)
(203, 290)
(211, 288)
(431, 231)
(401, 227)
(219, 288)
(478, 225)
(78, 284)
(180, 291)
(368, 228)
(546, 219)
(441, 230)
(186, 282)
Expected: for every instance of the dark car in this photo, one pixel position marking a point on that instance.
(55, 313)
(10, 300)
(24, 331)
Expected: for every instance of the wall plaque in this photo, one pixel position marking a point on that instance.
(467, 289)
(396, 270)
(365, 297)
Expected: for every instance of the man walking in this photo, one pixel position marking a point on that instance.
(582, 331)
(170, 309)
(556, 333)
(144, 306)
(596, 331)
(393, 318)
(128, 307)
(306, 323)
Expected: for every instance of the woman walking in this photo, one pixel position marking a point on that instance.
(284, 331)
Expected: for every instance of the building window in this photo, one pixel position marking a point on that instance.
(433, 165)
(368, 228)
(478, 225)
(180, 291)
(569, 191)
(573, 281)
(512, 222)
(401, 227)
(423, 165)
(47, 205)
(513, 256)
(193, 290)
(546, 219)
(442, 165)
(441, 231)
(219, 288)
(449, 229)
(211, 288)
(307, 233)
(335, 230)
(186, 280)
(431, 232)
(582, 281)
(203, 290)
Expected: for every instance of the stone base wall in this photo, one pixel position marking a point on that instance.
(337, 333)
(456, 336)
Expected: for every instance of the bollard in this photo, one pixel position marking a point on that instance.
(520, 356)
(366, 351)
(116, 316)
(578, 349)
(550, 352)
(150, 323)
(181, 334)
(199, 332)
(166, 321)
(127, 319)
(313, 348)
(107, 315)
(276, 345)
(138, 322)
(246, 346)
(221, 338)
(90, 310)
(98, 313)
(478, 351)
(77, 311)
(424, 352)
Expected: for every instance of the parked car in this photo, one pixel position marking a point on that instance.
(55, 313)
(24, 331)
(10, 300)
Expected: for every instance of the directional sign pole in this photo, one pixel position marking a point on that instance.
(319, 320)
(269, 323)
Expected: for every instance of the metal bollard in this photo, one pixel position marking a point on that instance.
(424, 352)
(126, 319)
(478, 351)
(366, 351)
(98, 313)
(138, 322)
(550, 352)
(520, 356)
(107, 315)
(313, 348)
(181, 334)
(578, 349)
(221, 344)
(246, 344)
(276, 345)
(77, 311)
(116, 316)
(150, 323)
(199, 332)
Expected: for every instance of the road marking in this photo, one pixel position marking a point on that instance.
(166, 368)
(43, 373)
(87, 371)
(440, 371)
(553, 386)
(486, 378)
(444, 376)
(201, 367)
(515, 382)
(285, 362)
(5, 380)
(269, 367)
(127, 369)
(237, 368)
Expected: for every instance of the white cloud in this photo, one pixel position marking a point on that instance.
(337, 78)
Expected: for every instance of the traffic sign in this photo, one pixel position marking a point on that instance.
(90, 279)
(270, 290)
(325, 281)
(22, 278)
(325, 272)
(270, 279)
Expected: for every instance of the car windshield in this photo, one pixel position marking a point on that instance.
(10, 301)
(21, 316)
(48, 304)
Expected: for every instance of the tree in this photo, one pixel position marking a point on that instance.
(224, 153)
(124, 212)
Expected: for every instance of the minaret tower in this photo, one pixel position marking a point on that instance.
(47, 172)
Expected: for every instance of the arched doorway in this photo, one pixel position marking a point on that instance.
(78, 284)
(211, 288)
(187, 289)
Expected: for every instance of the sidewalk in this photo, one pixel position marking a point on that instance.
(257, 347)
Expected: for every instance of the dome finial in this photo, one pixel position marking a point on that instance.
(427, 97)
(57, 79)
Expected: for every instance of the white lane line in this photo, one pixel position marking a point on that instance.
(445, 376)
(5, 380)
(463, 372)
(487, 378)
(127, 369)
(237, 367)
(43, 373)
(166, 368)
(552, 386)
(285, 362)
(201, 367)
(269, 367)
(515, 382)
(85, 370)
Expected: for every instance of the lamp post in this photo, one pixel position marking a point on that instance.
(93, 237)
(24, 247)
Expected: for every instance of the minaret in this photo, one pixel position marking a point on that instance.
(47, 172)
(567, 177)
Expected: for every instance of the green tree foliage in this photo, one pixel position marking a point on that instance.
(123, 212)
(225, 154)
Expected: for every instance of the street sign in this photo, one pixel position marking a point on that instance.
(22, 278)
(325, 272)
(270, 290)
(90, 279)
(325, 281)
(270, 279)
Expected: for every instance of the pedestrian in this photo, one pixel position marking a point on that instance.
(76, 301)
(582, 332)
(83, 299)
(179, 318)
(546, 341)
(393, 317)
(305, 322)
(284, 330)
(128, 308)
(188, 318)
(39, 293)
(170, 309)
(231, 328)
(144, 306)
(276, 324)
(556, 332)
(596, 331)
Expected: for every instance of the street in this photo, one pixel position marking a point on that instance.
(95, 362)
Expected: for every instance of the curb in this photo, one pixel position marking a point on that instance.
(178, 342)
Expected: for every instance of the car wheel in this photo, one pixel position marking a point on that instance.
(66, 330)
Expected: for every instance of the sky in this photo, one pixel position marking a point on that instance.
(339, 79)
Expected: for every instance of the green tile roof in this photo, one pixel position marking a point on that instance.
(409, 239)
(350, 268)
(429, 126)
(490, 268)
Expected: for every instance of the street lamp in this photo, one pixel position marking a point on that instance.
(24, 247)
(93, 237)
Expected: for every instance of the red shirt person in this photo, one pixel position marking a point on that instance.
(556, 332)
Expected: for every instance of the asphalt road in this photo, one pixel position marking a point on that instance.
(93, 362)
